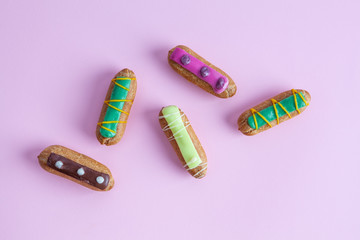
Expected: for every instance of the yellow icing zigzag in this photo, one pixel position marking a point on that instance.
(296, 105)
(108, 102)
(253, 111)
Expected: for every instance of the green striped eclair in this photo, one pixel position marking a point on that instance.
(116, 108)
(273, 111)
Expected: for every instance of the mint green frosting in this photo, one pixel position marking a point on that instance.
(118, 93)
(182, 137)
(269, 112)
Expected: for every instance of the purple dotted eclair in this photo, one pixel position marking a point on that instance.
(202, 73)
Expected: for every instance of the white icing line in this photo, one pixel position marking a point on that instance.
(185, 165)
(193, 160)
(200, 165)
(182, 125)
(173, 137)
(164, 116)
(200, 171)
(167, 127)
(171, 124)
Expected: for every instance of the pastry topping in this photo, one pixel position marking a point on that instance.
(80, 172)
(185, 59)
(200, 69)
(220, 83)
(177, 127)
(100, 179)
(108, 127)
(59, 164)
(277, 110)
(204, 71)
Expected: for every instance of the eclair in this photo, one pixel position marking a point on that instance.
(116, 108)
(202, 73)
(184, 141)
(76, 167)
(273, 111)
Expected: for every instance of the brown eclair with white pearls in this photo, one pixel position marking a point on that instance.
(76, 167)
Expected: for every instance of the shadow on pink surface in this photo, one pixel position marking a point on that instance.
(161, 54)
(31, 153)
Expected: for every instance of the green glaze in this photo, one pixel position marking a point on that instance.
(182, 137)
(269, 112)
(111, 114)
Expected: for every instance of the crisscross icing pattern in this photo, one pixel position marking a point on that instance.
(296, 104)
(278, 109)
(282, 107)
(253, 111)
(115, 105)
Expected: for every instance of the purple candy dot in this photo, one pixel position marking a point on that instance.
(220, 83)
(185, 59)
(204, 71)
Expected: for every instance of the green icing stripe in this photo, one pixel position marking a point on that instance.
(182, 137)
(118, 93)
(269, 112)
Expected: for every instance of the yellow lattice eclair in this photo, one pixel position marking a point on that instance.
(273, 111)
(116, 108)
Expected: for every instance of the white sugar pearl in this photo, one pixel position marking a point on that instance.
(59, 164)
(80, 171)
(100, 179)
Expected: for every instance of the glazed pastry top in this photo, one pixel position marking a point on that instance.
(73, 169)
(279, 109)
(217, 81)
(175, 123)
(115, 105)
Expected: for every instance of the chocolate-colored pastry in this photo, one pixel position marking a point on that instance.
(76, 167)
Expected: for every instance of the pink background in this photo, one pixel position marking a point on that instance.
(300, 180)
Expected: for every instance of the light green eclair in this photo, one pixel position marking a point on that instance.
(182, 137)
